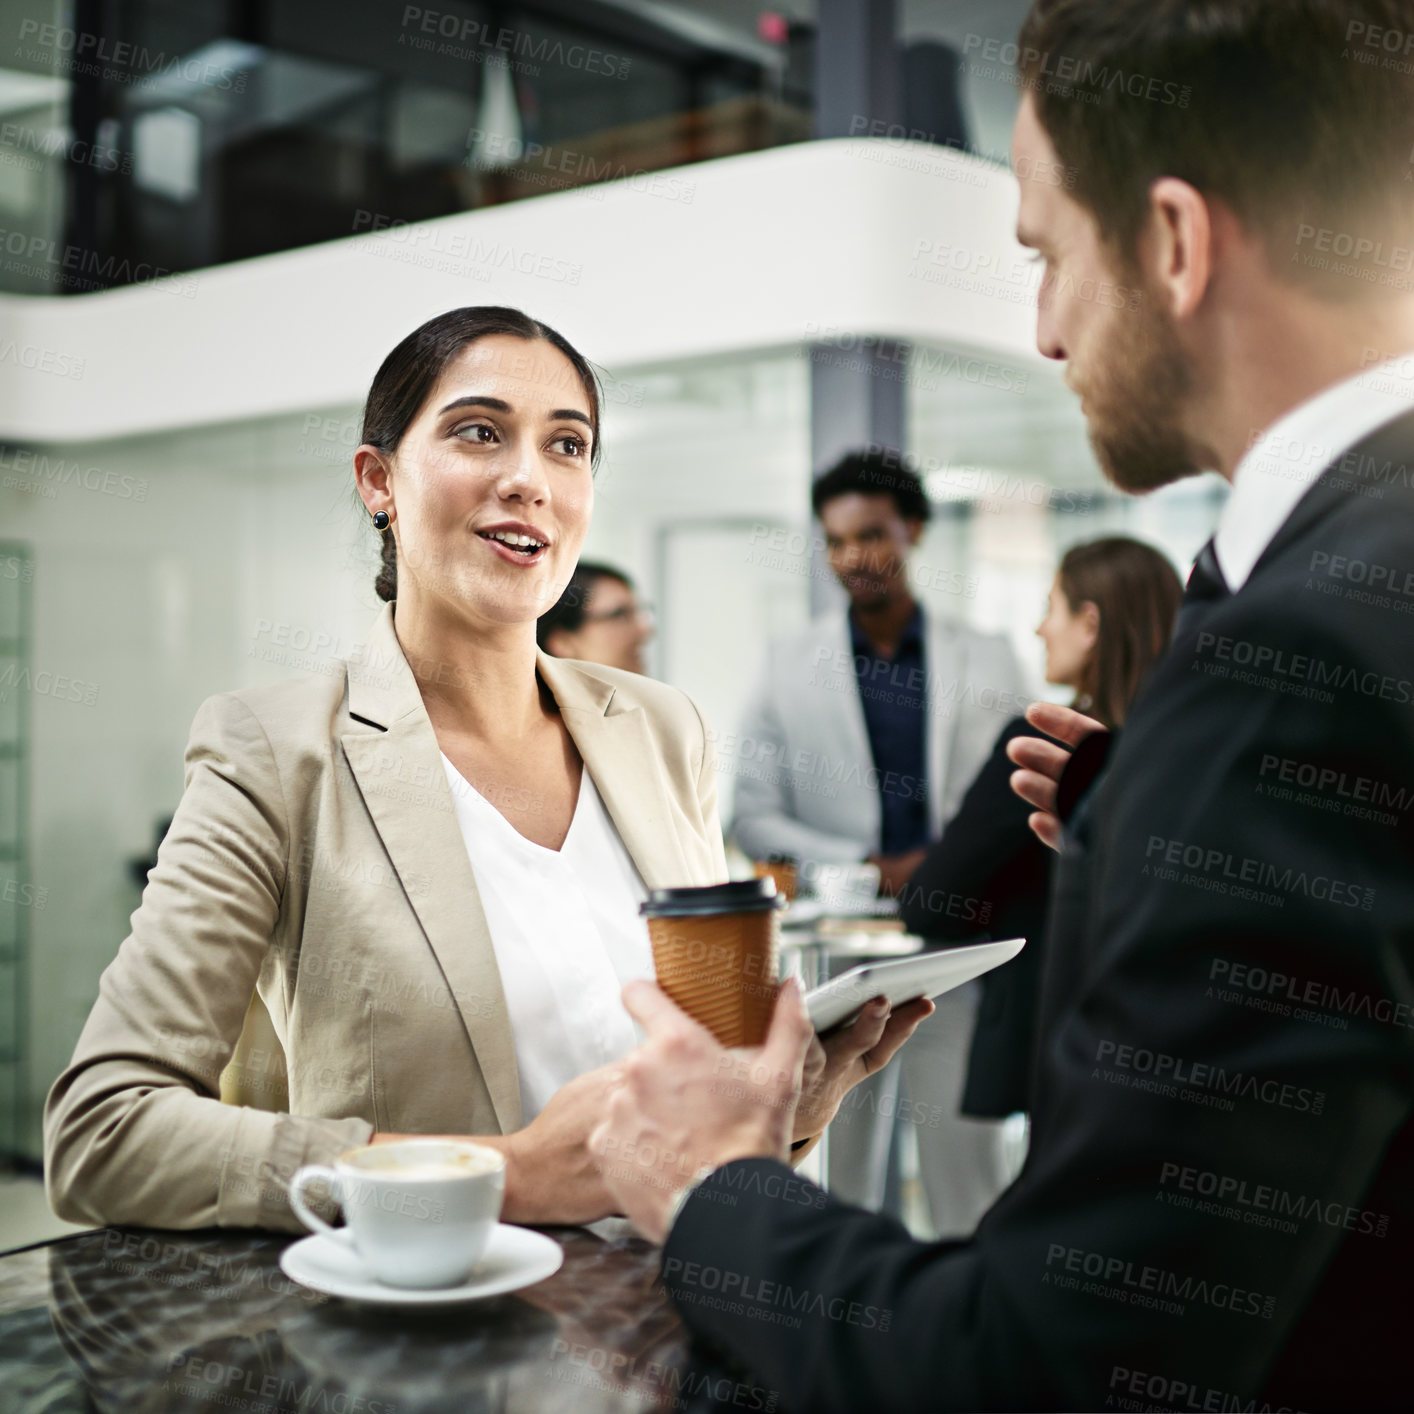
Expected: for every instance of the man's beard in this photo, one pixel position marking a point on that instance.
(1135, 400)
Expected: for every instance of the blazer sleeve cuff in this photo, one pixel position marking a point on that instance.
(265, 1151)
(1086, 763)
(695, 1236)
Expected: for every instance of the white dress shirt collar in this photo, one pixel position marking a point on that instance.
(1282, 463)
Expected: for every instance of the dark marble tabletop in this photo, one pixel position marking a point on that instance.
(137, 1320)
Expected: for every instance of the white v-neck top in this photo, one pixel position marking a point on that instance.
(567, 935)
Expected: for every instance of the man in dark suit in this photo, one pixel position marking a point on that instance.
(1217, 1211)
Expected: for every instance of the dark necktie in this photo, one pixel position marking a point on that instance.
(1206, 589)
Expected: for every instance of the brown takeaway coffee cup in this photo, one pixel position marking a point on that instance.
(781, 868)
(715, 951)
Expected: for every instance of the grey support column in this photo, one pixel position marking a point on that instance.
(857, 72)
(856, 380)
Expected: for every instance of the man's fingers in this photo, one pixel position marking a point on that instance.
(656, 1012)
(789, 1037)
(1035, 789)
(1047, 829)
(1063, 723)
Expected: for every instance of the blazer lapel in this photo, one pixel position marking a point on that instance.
(836, 728)
(1390, 442)
(393, 754)
(944, 663)
(619, 754)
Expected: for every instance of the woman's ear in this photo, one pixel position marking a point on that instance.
(1089, 617)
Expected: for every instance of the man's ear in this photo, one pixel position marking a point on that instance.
(1177, 249)
(561, 643)
(915, 530)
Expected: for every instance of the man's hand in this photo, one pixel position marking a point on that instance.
(838, 1061)
(685, 1103)
(895, 870)
(1042, 762)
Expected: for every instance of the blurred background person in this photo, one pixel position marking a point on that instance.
(896, 708)
(1109, 619)
(598, 619)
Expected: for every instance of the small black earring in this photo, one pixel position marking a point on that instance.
(380, 520)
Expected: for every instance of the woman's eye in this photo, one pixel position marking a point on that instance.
(573, 446)
(473, 430)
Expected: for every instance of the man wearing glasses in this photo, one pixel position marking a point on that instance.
(598, 619)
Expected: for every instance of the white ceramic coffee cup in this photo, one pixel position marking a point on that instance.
(419, 1212)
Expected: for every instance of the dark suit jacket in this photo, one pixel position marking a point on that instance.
(987, 877)
(1218, 1203)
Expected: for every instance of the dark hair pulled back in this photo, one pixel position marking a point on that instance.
(406, 378)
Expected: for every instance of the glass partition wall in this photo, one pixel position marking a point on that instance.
(142, 138)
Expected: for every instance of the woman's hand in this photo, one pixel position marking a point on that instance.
(551, 1177)
(839, 1060)
(1043, 762)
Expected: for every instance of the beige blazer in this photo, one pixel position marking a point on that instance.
(315, 856)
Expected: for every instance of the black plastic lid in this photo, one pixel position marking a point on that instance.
(739, 896)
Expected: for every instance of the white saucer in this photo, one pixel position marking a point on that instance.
(514, 1257)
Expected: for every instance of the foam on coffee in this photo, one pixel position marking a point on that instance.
(394, 1161)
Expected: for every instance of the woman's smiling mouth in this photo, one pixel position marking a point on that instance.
(520, 544)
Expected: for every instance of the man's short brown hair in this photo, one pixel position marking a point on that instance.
(1296, 114)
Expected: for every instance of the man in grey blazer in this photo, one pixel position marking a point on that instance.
(860, 738)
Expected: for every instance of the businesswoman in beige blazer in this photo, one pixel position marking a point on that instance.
(428, 864)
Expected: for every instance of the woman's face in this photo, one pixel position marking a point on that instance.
(491, 488)
(1069, 637)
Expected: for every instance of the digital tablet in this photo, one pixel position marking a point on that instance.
(902, 979)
